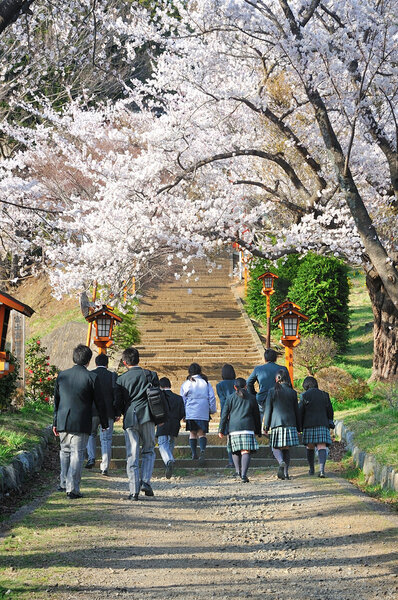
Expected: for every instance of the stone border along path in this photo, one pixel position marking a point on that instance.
(205, 537)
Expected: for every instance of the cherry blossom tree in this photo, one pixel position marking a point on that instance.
(273, 118)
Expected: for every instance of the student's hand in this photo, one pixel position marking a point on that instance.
(116, 419)
(220, 435)
(160, 424)
(55, 432)
(265, 431)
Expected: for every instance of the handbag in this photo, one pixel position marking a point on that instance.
(156, 401)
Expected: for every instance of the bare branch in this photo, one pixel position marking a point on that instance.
(11, 10)
(308, 12)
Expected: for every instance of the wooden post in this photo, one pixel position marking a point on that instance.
(268, 338)
(90, 325)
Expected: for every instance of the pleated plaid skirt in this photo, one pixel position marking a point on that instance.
(317, 435)
(242, 441)
(283, 436)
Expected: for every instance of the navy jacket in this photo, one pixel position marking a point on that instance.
(281, 408)
(176, 412)
(224, 388)
(75, 392)
(130, 396)
(315, 408)
(240, 413)
(107, 380)
(265, 376)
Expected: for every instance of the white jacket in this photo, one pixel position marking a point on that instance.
(199, 398)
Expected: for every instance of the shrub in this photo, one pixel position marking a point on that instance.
(340, 385)
(9, 385)
(388, 394)
(40, 374)
(315, 352)
(126, 333)
(321, 289)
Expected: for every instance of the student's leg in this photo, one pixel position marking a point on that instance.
(237, 463)
(164, 448)
(106, 446)
(311, 458)
(92, 443)
(245, 460)
(132, 438)
(202, 444)
(286, 460)
(322, 459)
(193, 442)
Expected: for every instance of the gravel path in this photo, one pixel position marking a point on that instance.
(209, 537)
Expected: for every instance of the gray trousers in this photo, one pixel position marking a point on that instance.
(135, 436)
(71, 458)
(106, 442)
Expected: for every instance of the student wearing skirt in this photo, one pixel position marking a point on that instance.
(316, 417)
(200, 403)
(241, 415)
(281, 415)
(224, 389)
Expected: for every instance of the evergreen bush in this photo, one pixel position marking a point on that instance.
(321, 289)
(9, 385)
(40, 374)
(126, 333)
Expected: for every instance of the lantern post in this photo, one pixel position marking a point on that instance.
(7, 304)
(289, 319)
(245, 260)
(104, 320)
(267, 280)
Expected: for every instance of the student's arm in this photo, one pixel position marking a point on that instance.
(251, 380)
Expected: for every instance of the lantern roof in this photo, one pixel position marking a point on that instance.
(15, 304)
(268, 274)
(287, 303)
(104, 310)
(290, 310)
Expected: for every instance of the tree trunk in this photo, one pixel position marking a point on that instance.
(385, 357)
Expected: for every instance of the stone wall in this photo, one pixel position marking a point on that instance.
(25, 464)
(374, 472)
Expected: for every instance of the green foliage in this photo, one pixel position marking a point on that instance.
(321, 289)
(126, 333)
(341, 386)
(9, 385)
(40, 374)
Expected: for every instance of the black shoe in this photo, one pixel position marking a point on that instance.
(202, 459)
(169, 469)
(311, 472)
(61, 489)
(147, 488)
(133, 497)
(89, 464)
(236, 475)
(321, 475)
(104, 472)
(74, 495)
(281, 471)
(245, 479)
(194, 457)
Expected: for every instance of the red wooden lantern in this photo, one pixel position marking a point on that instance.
(104, 320)
(268, 280)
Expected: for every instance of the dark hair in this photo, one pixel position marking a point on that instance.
(164, 382)
(310, 382)
(195, 369)
(131, 356)
(240, 385)
(270, 355)
(282, 376)
(82, 355)
(102, 360)
(228, 372)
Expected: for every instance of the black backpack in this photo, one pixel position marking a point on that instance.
(156, 401)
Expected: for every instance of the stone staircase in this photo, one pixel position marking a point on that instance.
(198, 321)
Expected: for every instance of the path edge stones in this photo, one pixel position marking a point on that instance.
(25, 463)
(374, 472)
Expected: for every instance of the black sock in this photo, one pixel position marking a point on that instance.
(322, 460)
(193, 442)
(311, 458)
(236, 459)
(286, 460)
(245, 458)
(203, 443)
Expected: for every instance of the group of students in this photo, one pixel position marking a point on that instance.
(245, 415)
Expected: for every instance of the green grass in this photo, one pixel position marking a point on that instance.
(40, 326)
(21, 430)
(355, 476)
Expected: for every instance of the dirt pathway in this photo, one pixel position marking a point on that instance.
(205, 536)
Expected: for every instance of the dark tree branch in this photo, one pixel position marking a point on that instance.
(277, 196)
(306, 13)
(11, 10)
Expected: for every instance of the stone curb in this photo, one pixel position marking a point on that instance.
(25, 463)
(374, 472)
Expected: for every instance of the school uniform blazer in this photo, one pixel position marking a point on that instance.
(176, 412)
(224, 388)
(315, 408)
(75, 392)
(107, 380)
(130, 396)
(281, 408)
(240, 414)
(265, 376)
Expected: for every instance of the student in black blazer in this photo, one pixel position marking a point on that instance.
(241, 417)
(282, 417)
(316, 415)
(107, 381)
(168, 432)
(76, 390)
